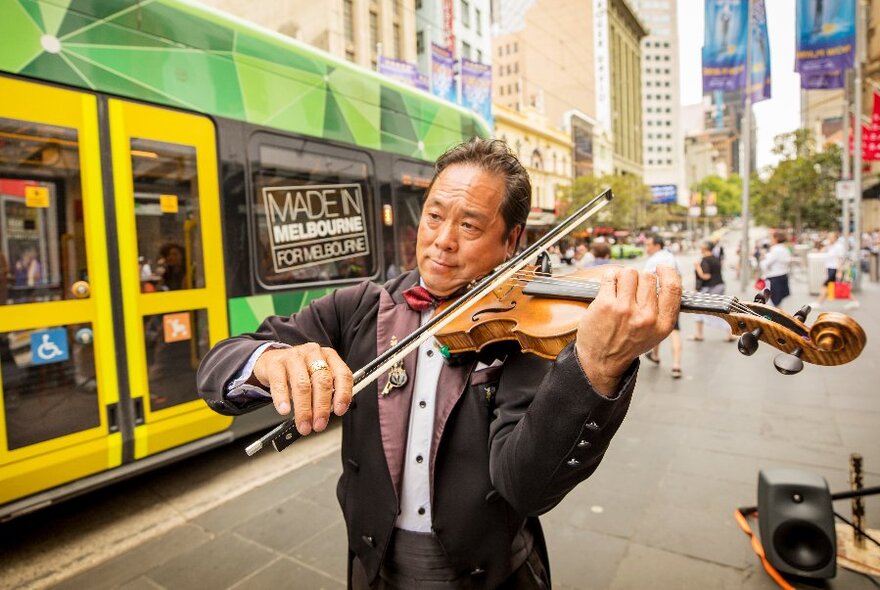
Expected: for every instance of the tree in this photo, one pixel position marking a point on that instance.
(728, 193)
(799, 192)
(629, 209)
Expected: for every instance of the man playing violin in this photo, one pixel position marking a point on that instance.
(445, 474)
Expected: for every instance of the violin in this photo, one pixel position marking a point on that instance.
(541, 313)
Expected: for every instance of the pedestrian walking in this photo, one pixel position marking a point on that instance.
(775, 268)
(659, 256)
(709, 279)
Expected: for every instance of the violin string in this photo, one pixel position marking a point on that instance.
(576, 287)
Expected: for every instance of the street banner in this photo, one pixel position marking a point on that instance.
(695, 210)
(724, 45)
(443, 73)
(711, 205)
(396, 69)
(870, 133)
(664, 193)
(476, 88)
(759, 84)
(825, 41)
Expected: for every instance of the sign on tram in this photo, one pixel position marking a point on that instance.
(311, 225)
(49, 346)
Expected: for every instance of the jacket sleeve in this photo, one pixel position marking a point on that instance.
(324, 321)
(550, 429)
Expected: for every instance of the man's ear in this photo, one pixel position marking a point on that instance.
(513, 240)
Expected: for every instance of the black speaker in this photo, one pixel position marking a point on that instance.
(796, 521)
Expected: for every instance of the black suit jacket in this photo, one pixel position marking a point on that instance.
(518, 437)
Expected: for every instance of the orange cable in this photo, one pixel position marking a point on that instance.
(759, 551)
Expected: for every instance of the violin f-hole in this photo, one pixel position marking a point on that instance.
(475, 317)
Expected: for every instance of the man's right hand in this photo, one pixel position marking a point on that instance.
(285, 372)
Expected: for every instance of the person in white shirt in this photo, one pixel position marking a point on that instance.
(658, 255)
(775, 267)
(835, 262)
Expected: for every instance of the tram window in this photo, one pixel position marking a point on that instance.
(42, 249)
(313, 216)
(175, 344)
(166, 206)
(49, 387)
(411, 180)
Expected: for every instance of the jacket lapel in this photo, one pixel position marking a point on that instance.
(395, 320)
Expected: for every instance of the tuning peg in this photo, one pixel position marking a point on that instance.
(789, 364)
(762, 296)
(748, 341)
(802, 313)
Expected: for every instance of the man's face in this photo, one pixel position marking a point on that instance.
(650, 246)
(462, 233)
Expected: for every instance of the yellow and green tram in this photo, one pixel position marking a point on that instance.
(169, 176)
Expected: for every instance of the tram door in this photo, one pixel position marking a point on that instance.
(58, 377)
(173, 295)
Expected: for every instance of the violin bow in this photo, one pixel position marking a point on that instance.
(286, 433)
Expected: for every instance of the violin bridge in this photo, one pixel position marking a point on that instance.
(503, 290)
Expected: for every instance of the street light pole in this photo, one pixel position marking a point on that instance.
(746, 151)
(857, 148)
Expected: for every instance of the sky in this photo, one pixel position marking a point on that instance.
(779, 114)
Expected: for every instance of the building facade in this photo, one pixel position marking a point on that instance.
(465, 22)
(663, 138)
(355, 30)
(544, 150)
(621, 58)
(539, 50)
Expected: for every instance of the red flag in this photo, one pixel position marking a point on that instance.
(870, 136)
(875, 110)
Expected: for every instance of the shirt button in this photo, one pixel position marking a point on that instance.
(419, 459)
(423, 403)
(421, 510)
(430, 353)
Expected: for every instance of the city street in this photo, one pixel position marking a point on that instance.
(658, 513)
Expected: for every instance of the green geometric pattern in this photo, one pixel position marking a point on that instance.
(246, 313)
(182, 55)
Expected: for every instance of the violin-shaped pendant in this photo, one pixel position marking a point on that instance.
(397, 376)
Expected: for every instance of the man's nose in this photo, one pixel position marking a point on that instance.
(447, 236)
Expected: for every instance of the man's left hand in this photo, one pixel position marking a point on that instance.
(629, 316)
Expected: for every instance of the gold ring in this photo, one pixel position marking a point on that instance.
(319, 365)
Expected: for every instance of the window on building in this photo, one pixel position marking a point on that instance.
(500, 51)
(420, 42)
(501, 90)
(478, 21)
(374, 30)
(349, 55)
(466, 49)
(480, 57)
(516, 67)
(398, 50)
(465, 13)
(348, 17)
(395, 7)
(515, 47)
(418, 4)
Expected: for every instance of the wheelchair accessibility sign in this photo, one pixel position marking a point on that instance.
(49, 346)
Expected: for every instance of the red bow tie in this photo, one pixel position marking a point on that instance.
(419, 299)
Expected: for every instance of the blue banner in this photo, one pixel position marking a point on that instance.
(476, 88)
(759, 84)
(402, 71)
(724, 45)
(826, 33)
(443, 73)
(664, 193)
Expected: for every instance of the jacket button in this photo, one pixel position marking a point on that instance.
(583, 444)
(492, 496)
(354, 464)
(368, 540)
(573, 462)
(478, 571)
(592, 426)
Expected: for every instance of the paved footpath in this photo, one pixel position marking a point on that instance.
(658, 513)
